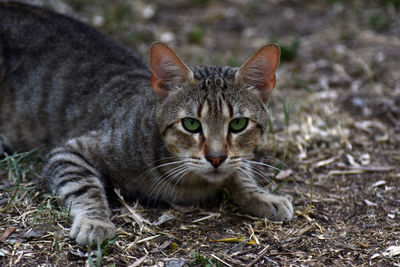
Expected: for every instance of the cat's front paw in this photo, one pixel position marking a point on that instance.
(272, 207)
(86, 230)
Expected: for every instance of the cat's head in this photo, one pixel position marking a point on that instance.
(211, 118)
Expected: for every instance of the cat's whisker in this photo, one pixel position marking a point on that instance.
(180, 178)
(148, 172)
(239, 159)
(246, 173)
(166, 182)
(243, 157)
(278, 160)
(236, 162)
(181, 174)
(263, 176)
(262, 164)
(252, 163)
(196, 164)
(168, 158)
(166, 164)
(165, 179)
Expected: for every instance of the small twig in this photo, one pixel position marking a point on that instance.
(239, 253)
(138, 262)
(232, 260)
(351, 215)
(207, 217)
(218, 259)
(162, 246)
(262, 254)
(147, 239)
(137, 217)
(362, 169)
(7, 233)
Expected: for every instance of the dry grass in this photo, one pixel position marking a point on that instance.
(335, 134)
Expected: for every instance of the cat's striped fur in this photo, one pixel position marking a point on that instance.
(106, 119)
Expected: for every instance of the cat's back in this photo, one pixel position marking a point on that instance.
(58, 76)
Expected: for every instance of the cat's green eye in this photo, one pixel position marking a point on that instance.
(191, 125)
(238, 125)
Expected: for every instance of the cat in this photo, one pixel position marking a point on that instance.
(165, 132)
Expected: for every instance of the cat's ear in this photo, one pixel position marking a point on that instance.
(168, 70)
(259, 70)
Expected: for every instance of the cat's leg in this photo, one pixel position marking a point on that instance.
(79, 185)
(253, 199)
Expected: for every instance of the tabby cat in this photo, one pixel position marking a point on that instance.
(169, 132)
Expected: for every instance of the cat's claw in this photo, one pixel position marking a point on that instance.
(86, 230)
(274, 208)
(284, 209)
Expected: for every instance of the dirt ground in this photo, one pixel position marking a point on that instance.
(334, 133)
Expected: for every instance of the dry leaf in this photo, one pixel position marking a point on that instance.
(163, 218)
(237, 240)
(282, 175)
(392, 251)
(137, 217)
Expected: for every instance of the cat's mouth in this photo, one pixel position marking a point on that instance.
(215, 172)
(216, 175)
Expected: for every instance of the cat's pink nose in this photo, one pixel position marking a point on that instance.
(216, 160)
